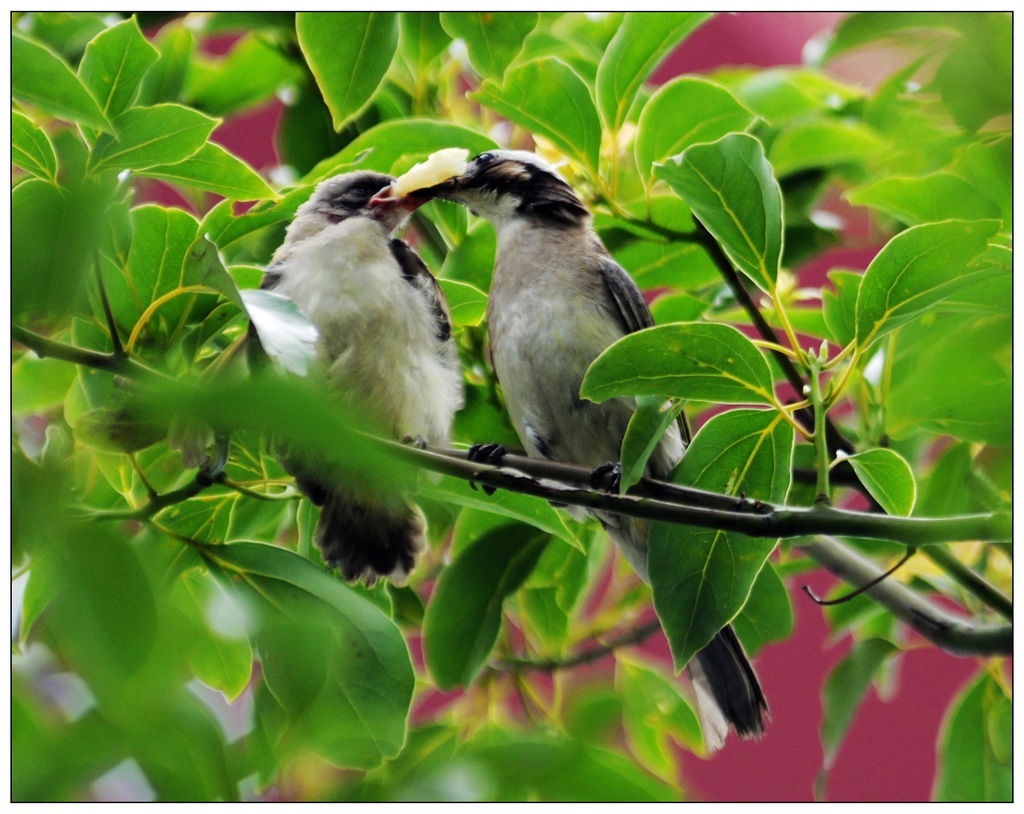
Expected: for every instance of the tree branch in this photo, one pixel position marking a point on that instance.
(635, 636)
(952, 633)
(657, 500)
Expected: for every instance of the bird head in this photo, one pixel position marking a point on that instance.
(348, 196)
(503, 185)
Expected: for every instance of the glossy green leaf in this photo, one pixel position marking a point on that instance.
(41, 78)
(839, 305)
(547, 98)
(701, 578)
(974, 765)
(652, 417)
(845, 688)
(153, 136)
(864, 28)
(224, 229)
(422, 36)
(383, 146)
(671, 265)
(31, 149)
(767, 616)
(336, 663)
(552, 768)
(641, 42)
(165, 80)
(654, 714)
(285, 333)
(349, 54)
(783, 95)
(214, 169)
(926, 199)
(155, 266)
(988, 166)
(464, 615)
(493, 38)
(251, 74)
(219, 653)
(688, 360)
(512, 505)
(677, 308)
(688, 110)
(953, 381)
(39, 384)
(47, 275)
(730, 188)
(114, 64)
(976, 78)
(917, 269)
(467, 303)
(824, 143)
(888, 477)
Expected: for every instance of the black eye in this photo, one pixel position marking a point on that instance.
(485, 158)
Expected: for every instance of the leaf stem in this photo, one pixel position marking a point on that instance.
(821, 455)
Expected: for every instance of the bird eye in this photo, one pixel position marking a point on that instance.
(485, 158)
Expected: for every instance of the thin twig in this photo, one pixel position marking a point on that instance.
(631, 637)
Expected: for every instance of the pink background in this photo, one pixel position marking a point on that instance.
(889, 752)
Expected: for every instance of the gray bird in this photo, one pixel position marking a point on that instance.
(385, 344)
(557, 300)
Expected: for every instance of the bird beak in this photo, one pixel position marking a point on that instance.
(414, 200)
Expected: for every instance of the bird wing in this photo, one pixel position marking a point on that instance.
(632, 312)
(416, 273)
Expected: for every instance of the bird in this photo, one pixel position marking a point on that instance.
(384, 344)
(557, 300)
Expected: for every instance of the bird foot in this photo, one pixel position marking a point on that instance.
(417, 441)
(607, 477)
(490, 454)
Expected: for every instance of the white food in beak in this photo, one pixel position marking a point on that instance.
(438, 167)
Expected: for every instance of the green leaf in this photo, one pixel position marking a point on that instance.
(31, 149)
(156, 264)
(976, 78)
(467, 303)
(767, 615)
(152, 136)
(464, 614)
(285, 333)
(224, 229)
(677, 308)
(888, 477)
(917, 269)
(701, 578)
(845, 689)
(41, 78)
(823, 143)
(784, 95)
(839, 305)
(949, 380)
(214, 169)
(383, 146)
(422, 37)
(863, 28)
(652, 417)
(926, 198)
(654, 264)
(349, 54)
(165, 80)
(218, 648)
(550, 768)
(249, 75)
(338, 665)
(493, 38)
(114, 64)
(688, 110)
(655, 713)
(974, 760)
(47, 274)
(687, 360)
(525, 508)
(39, 384)
(730, 188)
(549, 99)
(642, 41)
